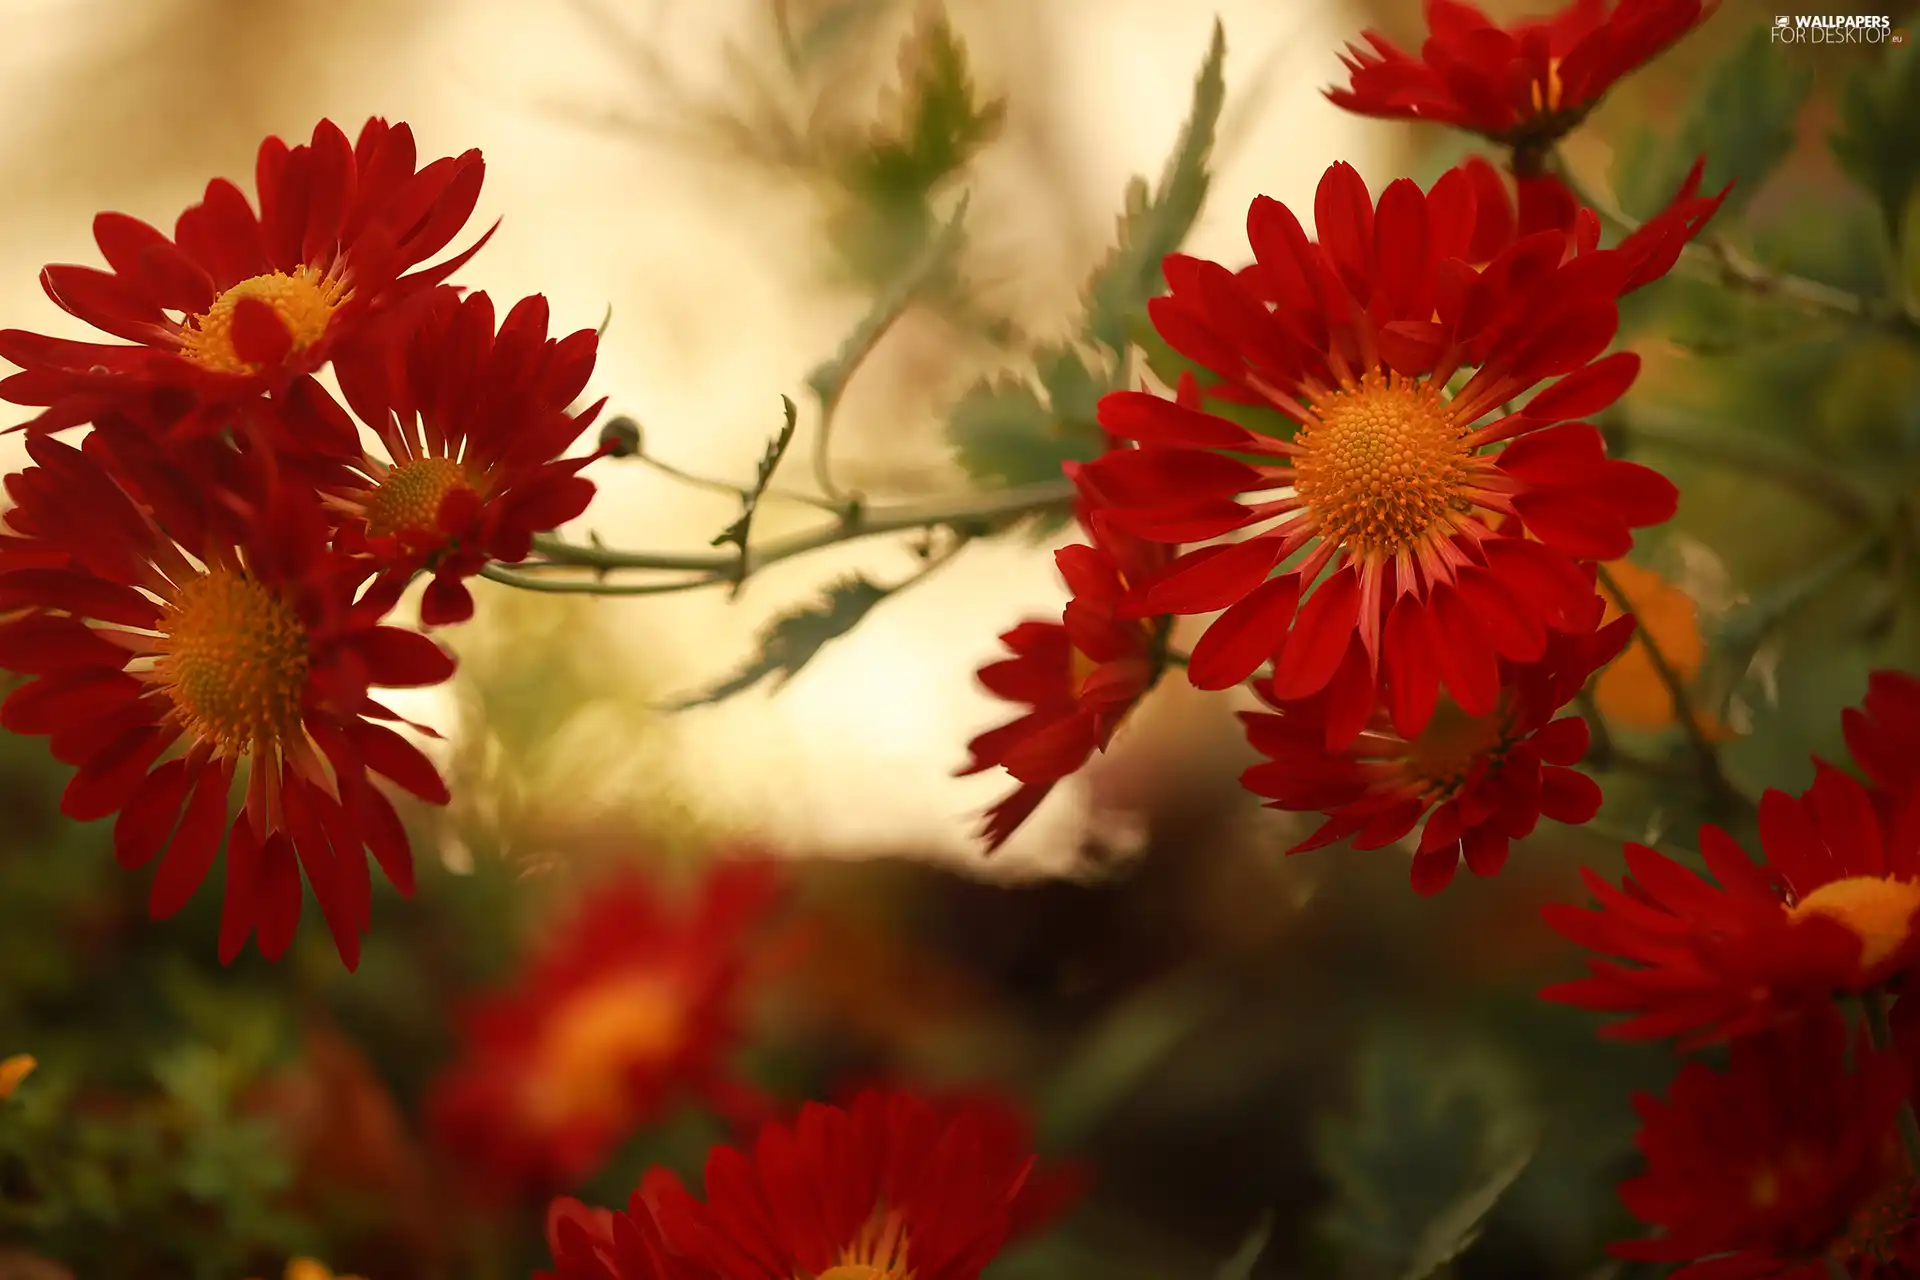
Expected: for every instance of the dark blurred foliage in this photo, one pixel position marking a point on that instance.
(1279, 1067)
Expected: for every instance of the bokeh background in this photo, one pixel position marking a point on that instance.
(1238, 1042)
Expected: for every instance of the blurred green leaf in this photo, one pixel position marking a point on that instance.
(1878, 141)
(736, 534)
(938, 125)
(1436, 1136)
(792, 640)
(1742, 122)
(1910, 255)
(1155, 221)
(1240, 1266)
(1004, 432)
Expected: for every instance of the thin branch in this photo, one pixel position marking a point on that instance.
(737, 490)
(968, 516)
(1720, 796)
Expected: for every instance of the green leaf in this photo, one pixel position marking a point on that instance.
(1910, 255)
(938, 126)
(1457, 1228)
(1004, 431)
(790, 642)
(1436, 1135)
(1878, 141)
(1240, 1266)
(1742, 121)
(1155, 221)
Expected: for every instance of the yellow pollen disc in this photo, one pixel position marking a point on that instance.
(233, 658)
(1444, 753)
(1381, 464)
(304, 300)
(408, 500)
(595, 1039)
(1547, 97)
(879, 1252)
(1879, 911)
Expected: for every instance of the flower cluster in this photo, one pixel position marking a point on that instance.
(1793, 1157)
(1413, 559)
(200, 588)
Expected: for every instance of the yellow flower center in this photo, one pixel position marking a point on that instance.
(304, 301)
(1380, 464)
(1878, 911)
(1546, 95)
(1444, 753)
(595, 1039)
(408, 499)
(233, 658)
(879, 1252)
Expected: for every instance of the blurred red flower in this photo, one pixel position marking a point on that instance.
(1078, 677)
(260, 299)
(1387, 486)
(631, 1003)
(473, 424)
(1783, 1160)
(1526, 85)
(1477, 783)
(890, 1187)
(1883, 735)
(221, 623)
(1835, 908)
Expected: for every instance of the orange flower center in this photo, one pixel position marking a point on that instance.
(408, 499)
(1546, 93)
(595, 1040)
(1380, 464)
(879, 1252)
(233, 659)
(1443, 755)
(13, 1070)
(304, 301)
(1878, 911)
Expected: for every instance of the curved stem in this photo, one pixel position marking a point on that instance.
(737, 490)
(593, 586)
(1720, 796)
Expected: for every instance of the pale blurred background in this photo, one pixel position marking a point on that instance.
(597, 120)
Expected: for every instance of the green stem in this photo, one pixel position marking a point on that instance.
(1720, 796)
(1880, 1031)
(970, 514)
(738, 490)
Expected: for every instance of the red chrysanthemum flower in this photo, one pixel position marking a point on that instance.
(1526, 85)
(233, 632)
(890, 1187)
(1883, 734)
(630, 1007)
(1392, 486)
(237, 303)
(1784, 1160)
(599, 1244)
(473, 424)
(1476, 782)
(1835, 908)
(1078, 677)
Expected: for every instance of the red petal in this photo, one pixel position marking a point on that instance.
(190, 854)
(1211, 577)
(1318, 641)
(1246, 635)
(259, 335)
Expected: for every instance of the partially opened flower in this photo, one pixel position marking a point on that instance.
(1784, 1160)
(235, 303)
(1079, 677)
(890, 1187)
(1835, 908)
(473, 423)
(599, 1244)
(1442, 527)
(1526, 84)
(630, 1008)
(193, 638)
(1471, 784)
